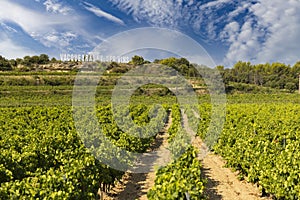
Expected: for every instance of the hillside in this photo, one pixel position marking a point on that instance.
(243, 77)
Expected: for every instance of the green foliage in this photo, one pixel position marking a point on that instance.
(139, 114)
(137, 60)
(233, 87)
(261, 141)
(178, 139)
(118, 68)
(43, 157)
(53, 60)
(149, 90)
(32, 80)
(182, 178)
(275, 75)
(56, 81)
(5, 64)
(43, 59)
(291, 87)
(181, 65)
(27, 61)
(35, 60)
(13, 63)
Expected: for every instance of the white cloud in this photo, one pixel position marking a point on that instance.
(9, 49)
(243, 42)
(8, 28)
(56, 7)
(130, 6)
(271, 35)
(240, 9)
(176, 14)
(265, 31)
(268, 31)
(100, 13)
(51, 30)
(230, 32)
(157, 13)
(216, 3)
(24, 17)
(32, 20)
(159, 39)
(282, 23)
(60, 39)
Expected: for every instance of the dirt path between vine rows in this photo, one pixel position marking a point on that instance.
(136, 185)
(222, 183)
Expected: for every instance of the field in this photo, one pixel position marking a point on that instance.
(44, 156)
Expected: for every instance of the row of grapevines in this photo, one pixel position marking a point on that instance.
(182, 178)
(42, 156)
(127, 137)
(179, 180)
(262, 142)
(114, 146)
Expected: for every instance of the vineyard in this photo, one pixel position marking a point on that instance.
(43, 157)
(44, 154)
(262, 143)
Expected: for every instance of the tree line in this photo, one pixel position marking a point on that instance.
(275, 75)
(28, 61)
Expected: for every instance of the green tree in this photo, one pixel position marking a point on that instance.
(35, 59)
(13, 62)
(296, 70)
(26, 61)
(19, 61)
(4, 64)
(280, 69)
(183, 61)
(171, 62)
(53, 60)
(43, 59)
(244, 72)
(113, 65)
(137, 60)
(156, 61)
(291, 87)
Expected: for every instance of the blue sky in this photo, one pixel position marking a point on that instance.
(252, 30)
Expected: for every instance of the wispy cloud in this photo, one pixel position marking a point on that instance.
(282, 22)
(8, 28)
(216, 3)
(51, 30)
(100, 13)
(257, 31)
(157, 13)
(56, 7)
(160, 39)
(178, 14)
(32, 20)
(64, 39)
(269, 33)
(9, 49)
